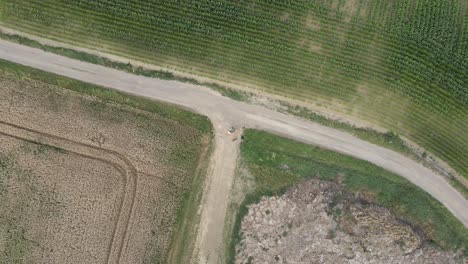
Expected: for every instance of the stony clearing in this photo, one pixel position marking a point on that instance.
(107, 180)
(317, 221)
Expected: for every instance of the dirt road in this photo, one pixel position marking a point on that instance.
(225, 112)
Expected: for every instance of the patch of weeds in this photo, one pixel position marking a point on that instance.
(401, 243)
(29, 199)
(331, 233)
(95, 107)
(41, 149)
(6, 162)
(337, 212)
(459, 186)
(17, 245)
(228, 92)
(389, 140)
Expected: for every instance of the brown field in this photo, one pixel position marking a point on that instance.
(87, 181)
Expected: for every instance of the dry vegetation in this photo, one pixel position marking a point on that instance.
(86, 180)
(56, 205)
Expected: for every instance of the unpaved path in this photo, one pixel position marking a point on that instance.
(225, 112)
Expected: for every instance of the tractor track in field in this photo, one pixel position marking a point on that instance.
(223, 113)
(110, 157)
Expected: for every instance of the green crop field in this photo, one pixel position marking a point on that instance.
(399, 64)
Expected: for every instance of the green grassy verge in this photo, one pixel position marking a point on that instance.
(265, 154)
(398, 64)
(187, 215)
(388, 140)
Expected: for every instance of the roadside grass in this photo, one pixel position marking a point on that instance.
(460, 187)
(278, 163)
(389, 139)
(188, 216)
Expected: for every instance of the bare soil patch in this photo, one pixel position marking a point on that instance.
(350, 8)
(312, 22)
(319, 222)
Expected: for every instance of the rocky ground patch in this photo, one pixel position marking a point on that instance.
(320, 222)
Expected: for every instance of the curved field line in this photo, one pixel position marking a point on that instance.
(112, 158)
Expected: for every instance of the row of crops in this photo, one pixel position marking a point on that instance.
(409, 57)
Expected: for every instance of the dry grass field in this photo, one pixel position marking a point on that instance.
(87, 180)
(56, 205)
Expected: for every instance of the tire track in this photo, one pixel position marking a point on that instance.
(110, 157)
